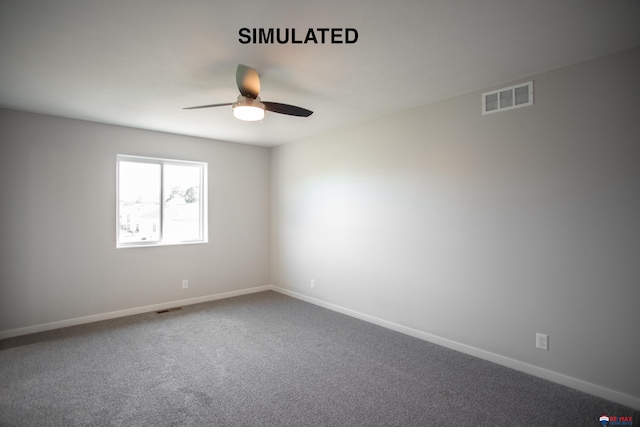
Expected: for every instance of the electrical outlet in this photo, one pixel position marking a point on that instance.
(185, 284)
(542, 341)
(313, 283)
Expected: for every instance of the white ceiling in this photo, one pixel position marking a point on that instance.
(138, 62)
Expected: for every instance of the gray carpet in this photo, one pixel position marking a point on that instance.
(268, 360)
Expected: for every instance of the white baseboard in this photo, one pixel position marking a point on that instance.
(587, 387)
(128, 312)
(575, 383)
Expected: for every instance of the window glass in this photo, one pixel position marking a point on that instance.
(182, 202)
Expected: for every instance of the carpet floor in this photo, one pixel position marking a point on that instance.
(266, 359)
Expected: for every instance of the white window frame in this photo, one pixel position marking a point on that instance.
(203, 229)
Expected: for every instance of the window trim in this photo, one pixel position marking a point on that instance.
(204, 220)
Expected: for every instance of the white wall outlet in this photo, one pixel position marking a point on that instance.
(313, 283)
(185, 284)
(542, 341)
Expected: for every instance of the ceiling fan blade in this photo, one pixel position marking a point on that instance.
(207, 106)
(290, 110)
(248, 81)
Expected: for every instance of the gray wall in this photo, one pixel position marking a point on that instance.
(58, 256)
(478, 229)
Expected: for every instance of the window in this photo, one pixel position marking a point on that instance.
(160, 201)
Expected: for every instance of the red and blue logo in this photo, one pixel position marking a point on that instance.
(615, 420)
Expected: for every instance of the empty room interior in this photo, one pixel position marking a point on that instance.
(456, 176)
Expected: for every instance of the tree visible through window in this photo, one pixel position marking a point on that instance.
(160, 201)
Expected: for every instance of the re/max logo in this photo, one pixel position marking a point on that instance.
(289, 35)
(614, 420)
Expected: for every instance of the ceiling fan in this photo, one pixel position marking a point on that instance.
(249, 106)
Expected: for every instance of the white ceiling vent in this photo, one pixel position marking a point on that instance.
(507, 98)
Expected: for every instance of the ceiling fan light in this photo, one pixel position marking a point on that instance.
(248, 109)
(249, 113)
